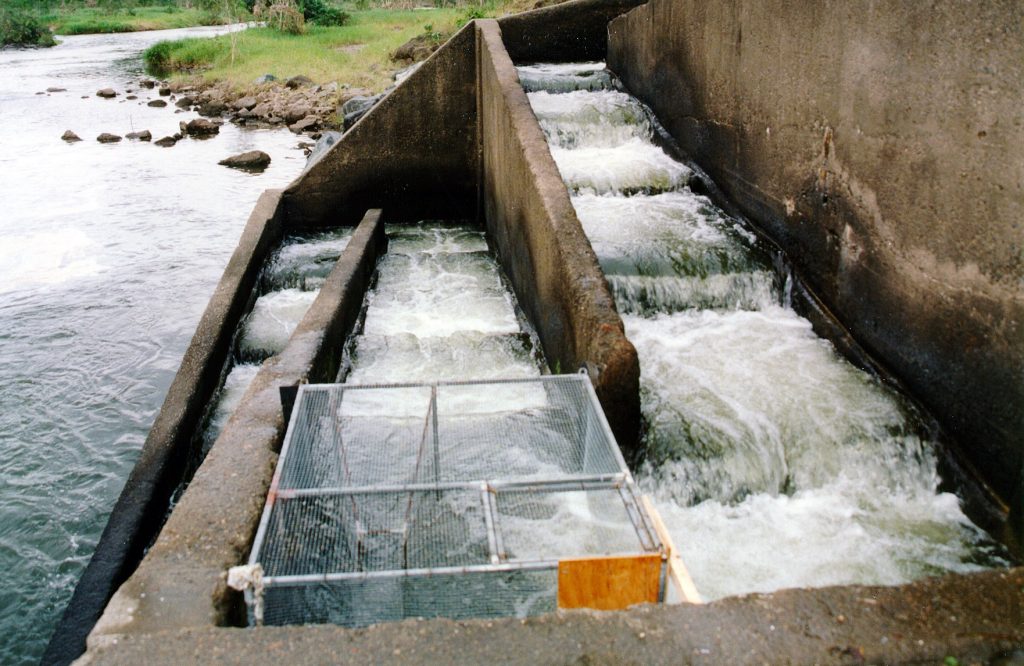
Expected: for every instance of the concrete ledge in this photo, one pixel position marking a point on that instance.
(542, 246)
(975, 618)
(413, 153)
(167, 452)
(181, 581)
(568, 32)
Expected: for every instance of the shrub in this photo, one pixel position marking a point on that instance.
(18, 26)
(322, 13)
(281, 15)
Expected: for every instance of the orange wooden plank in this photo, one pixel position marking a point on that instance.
(608, 583)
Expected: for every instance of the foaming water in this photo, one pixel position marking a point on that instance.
(440, 311)
(565, 77)
(109, 254)
(774, 462)
(633, 167)
(291, 281)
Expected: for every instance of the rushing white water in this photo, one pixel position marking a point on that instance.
(291, 279)
(774, 462)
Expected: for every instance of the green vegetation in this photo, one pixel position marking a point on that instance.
(89, 20)
(358, 53)
(21, 27)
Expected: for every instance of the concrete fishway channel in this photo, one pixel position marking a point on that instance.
(775, 462)
(497, 218)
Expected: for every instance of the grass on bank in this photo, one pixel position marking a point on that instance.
(358, 53)
(89, 20)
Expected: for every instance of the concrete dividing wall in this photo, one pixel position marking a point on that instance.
(567, 32)
(167, 452)
(182, 580)
(881, 144)
(414, 153)
(535, 232)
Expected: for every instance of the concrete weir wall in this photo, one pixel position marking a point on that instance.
(540, 242)
(181, 581)
(881, 144)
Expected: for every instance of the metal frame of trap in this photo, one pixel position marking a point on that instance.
(654, 548)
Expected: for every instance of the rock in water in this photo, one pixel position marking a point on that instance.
(148, 83)
(201, 127)
(55, 90)
(184, 102)
(106, 93)
(158, 103)
(108, 138)
(306, 124)
(164, 91)
(144, 135)
(166, 142)
(70, 136)
(254, 160)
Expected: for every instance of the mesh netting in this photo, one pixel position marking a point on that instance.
(450, 499)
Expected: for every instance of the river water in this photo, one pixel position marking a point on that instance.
(773, 461)
(108, 256)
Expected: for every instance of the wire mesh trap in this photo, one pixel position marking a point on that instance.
(450, 499)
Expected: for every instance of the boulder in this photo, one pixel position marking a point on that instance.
(266, 78)
(254, 160)
(296, 113)
(132, 97)
(70, 136)
(166, 142)
(323, 145)
(158, 103)
(262, 110)
(356, 108)
(144, 135)
(148, 83)
(403, 74)
(108, 138)
(416, 49)
(164, 91)
(106, 93)
(201, 127)
(53, 90)
(185, 102)
(299, 81)
(244, 103)
(212, 108)
(306, 124)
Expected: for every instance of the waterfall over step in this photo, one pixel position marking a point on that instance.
(773, 460)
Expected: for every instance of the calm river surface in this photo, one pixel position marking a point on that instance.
(108, 255)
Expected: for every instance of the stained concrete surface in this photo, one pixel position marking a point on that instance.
(566, 32)
(542, 246)
(182, 580)
(414, 153)
(975, 619)
(880, 144)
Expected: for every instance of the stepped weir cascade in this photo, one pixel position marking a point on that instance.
(774, 461)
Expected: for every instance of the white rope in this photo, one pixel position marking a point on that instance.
(246, 577)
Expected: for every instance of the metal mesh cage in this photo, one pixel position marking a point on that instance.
(447, 499)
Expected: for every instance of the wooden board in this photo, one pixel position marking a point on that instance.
(680, 587)
(608, 583)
